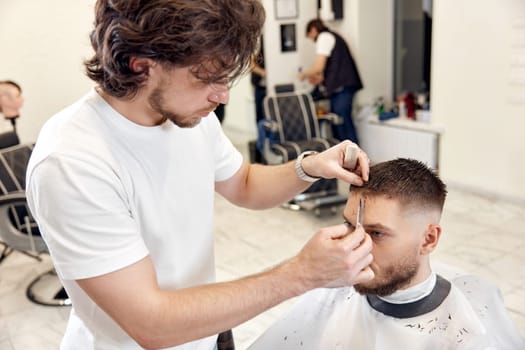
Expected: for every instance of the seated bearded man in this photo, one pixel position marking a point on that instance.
(407, 305)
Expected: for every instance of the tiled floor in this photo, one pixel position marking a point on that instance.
(481, 235)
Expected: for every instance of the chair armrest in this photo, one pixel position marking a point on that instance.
(330, 117)
(11, 234)
(270, 125)
(13, 198)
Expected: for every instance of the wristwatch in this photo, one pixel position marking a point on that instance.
(299, 167)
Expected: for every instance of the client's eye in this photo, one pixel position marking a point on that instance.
(376, 234)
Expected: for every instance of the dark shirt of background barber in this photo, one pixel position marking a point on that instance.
(259, 86)
(341, 80)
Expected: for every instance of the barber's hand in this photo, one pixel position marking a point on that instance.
(301, 76)
(335, 257)
(316, 79)
(329, 165)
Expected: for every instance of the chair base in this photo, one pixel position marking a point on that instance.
(47, 290)
(5, 252)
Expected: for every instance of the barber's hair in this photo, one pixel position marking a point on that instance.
(216, 38)
(408, 181)
(317, 24)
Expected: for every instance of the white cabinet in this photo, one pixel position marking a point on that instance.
(393, 138)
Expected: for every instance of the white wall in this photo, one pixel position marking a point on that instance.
(478, 93)
(42, 45)
(282, 67)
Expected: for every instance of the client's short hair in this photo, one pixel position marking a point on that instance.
(408, 181)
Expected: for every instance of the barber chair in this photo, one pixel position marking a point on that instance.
(8, 139)
(292, 127)
(18, 229)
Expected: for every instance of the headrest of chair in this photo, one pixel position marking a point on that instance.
(280, 88)
(13, 166)
(8, 139)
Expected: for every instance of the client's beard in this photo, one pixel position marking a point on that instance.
(389, 280)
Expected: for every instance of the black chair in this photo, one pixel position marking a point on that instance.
(8, 139)
(293, 127)
(18, 229)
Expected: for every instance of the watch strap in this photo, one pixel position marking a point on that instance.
(299, 167)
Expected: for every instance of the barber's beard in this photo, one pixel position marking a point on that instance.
(156, 102)
(390, 279)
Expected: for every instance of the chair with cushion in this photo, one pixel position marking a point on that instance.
(18, 229)
(8, 139)
(292, 127)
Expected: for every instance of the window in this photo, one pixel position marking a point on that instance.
(412, 46)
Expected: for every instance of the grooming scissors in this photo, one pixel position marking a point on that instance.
(360, 210)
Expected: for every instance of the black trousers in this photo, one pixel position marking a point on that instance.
(225, 341)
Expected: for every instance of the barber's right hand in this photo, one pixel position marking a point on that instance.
(336, 256)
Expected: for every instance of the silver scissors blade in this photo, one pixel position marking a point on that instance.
(360, 210)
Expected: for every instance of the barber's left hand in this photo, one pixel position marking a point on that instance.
(316, 79)
(329, 165)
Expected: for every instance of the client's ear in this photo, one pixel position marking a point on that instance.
(431, 238)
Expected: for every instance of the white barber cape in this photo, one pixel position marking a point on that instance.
(470, 314)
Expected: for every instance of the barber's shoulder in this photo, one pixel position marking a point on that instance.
(326, 36)
(327, 39)
(325, 43)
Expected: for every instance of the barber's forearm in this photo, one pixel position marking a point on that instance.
(312, 72)
(333, 257)
(269, 186)
(193, 313)
(317, 68)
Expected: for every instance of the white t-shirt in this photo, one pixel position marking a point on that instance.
(324, 44)
(107, 192)
(471, 317)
